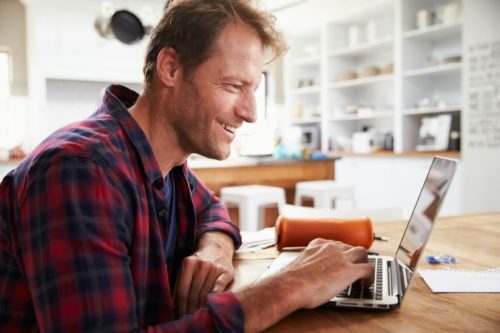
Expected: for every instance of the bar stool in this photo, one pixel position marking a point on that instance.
(324, 193)
(251, 201)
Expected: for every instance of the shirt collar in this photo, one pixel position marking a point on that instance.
(116, 101)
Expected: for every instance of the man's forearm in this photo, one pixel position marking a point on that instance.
(270, 300)
(217, 239)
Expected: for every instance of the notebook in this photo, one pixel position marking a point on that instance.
(393, 274)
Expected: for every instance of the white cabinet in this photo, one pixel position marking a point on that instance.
(375, 68)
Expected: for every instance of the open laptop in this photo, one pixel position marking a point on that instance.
(394, 274)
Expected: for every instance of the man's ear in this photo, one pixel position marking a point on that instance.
(168, 66)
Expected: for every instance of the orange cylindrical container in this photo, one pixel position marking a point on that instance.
(291, 232)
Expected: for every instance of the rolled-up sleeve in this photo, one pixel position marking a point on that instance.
(211, 213)
(223, 314)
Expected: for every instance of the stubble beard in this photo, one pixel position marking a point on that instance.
(197, 139)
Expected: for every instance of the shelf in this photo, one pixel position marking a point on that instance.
(364, 49)
(361, 81)
(306, 90)
(444, 68)
(374, 115)
(305, 121)
(309, 60)
(434, 32)
(364, 11)
(430, 110)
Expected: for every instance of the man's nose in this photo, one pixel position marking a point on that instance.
(246, 108)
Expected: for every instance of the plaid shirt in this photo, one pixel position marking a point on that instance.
(83, 238)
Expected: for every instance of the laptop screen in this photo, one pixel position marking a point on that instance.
(424, 214)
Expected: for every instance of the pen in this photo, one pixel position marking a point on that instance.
(382, 238)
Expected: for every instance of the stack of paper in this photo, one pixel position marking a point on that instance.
(462, 281)
(256, 240)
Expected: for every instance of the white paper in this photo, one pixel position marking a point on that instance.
(256, 240)
(462, 281)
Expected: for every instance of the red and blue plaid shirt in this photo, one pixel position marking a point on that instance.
(82, 243)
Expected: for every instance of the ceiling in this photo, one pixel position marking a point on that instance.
(300, 16)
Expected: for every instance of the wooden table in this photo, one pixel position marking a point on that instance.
(473, 239)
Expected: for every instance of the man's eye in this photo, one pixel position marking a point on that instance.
(235, 86)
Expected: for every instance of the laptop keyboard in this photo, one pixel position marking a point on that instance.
(357, 290)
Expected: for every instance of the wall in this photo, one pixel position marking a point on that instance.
(481, 115)
(13, 36)
(70, 63)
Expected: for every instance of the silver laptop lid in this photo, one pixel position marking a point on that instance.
(419, 227)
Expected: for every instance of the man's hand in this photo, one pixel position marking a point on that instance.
(323, 270)
(208, 270)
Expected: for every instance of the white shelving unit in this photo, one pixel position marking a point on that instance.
(304, 84)
(361, 81)
(403, 73)
(431, 61)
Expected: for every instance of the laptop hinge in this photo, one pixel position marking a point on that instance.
(394, 274)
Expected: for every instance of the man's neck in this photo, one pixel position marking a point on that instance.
(151, 118)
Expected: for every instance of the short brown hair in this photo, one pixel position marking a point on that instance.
(192, 26)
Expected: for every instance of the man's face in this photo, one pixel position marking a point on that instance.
(214, 100)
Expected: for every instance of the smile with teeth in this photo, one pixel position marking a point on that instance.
(228, 128)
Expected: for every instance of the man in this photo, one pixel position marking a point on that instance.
(104, 228)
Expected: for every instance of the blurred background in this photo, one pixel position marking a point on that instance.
(379, 86)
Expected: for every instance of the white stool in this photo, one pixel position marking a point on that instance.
(324, 192)
(251, 199)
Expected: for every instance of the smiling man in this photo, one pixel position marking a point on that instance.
(104, 228)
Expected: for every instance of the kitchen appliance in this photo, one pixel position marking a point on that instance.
(123, 24)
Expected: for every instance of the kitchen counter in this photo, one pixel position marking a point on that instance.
(450, 154)
(264, 171)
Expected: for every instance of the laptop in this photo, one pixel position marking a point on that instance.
(393, 275)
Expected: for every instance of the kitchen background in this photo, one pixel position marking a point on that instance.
(378, 82)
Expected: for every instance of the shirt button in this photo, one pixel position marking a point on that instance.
(158, 184)
(162, 213)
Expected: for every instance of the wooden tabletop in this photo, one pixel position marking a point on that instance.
(473, 239)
